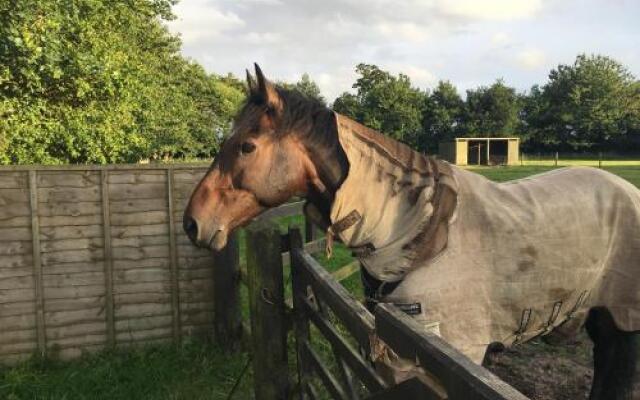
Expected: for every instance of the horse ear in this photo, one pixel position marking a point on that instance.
(251, 83)
(268, 91)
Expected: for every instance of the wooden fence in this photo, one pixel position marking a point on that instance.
(351, 332)
(95, 256)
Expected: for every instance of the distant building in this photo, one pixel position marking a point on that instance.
(481, 151)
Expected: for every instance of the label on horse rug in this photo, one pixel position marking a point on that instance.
(410, 308)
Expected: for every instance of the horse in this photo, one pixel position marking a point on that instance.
(477, 262)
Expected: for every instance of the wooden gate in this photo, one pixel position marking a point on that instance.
(320, 301)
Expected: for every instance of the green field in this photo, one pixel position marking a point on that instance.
(195, 370)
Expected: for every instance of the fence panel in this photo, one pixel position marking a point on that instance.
(94, 256)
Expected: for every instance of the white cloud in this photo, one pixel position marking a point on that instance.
(408, 31)
(531, 59)
(200, 20)
(500, 39)
(491, 9)
(466, 41)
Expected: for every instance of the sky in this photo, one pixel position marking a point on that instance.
(468, 42)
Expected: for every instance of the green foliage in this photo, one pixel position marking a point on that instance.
(491, 111)
(385, 102)
(98, 81)
(307, 87)
(443, 116)
(594, 102)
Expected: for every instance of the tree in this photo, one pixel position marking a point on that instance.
(306, 86)
(589, 104)
(491, 111)
(97, 81)
(442, 117)
(385, 102)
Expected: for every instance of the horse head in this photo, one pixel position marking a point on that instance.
(282, 145)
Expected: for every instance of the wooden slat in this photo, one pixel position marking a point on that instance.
(360, 366)
(329, 381)
(310, 247)
(175, 287)
(111, 167)
(346, 271)
(108, 259)
(353, 314)
(37, 264)
(461, 378)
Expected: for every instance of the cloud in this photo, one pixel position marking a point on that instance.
(500, 39)
(199, 20)
(491, 9)
(531, 59)
(465, 41)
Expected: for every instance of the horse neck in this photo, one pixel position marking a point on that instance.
(389, 185)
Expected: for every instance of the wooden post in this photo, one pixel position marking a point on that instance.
(226, 290)
(600, 160)
(556, 159)
(488, 152)
(301, 323)
(173, 253)
(108, 259)
(267, 307)
(37, 263)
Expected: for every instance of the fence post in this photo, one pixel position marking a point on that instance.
(301, 323)
(226, 290)
(267, 307)
(556, 159)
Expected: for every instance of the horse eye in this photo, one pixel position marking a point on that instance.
(247, 147)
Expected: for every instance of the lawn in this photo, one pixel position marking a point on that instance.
(195, 370)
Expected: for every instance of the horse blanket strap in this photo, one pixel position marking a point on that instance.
(375, 290)
(342, 225)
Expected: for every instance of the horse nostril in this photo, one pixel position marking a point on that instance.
(190, 227)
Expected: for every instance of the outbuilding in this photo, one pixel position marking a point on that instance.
(481, 151)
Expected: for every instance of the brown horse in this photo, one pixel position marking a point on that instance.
(475, 261)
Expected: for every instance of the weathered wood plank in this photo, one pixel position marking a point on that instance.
(17, 308)
(266, 302)
(140, 241)
(144, 263)
(124, 311)
(49, 246)
(358, 365)
(13, 180)
(73, 279)
(145, 287)
(12, 210)
(140, 218)
(227, 293)
(73, 317)
(138, 205)
(140, 275)
(107, 252)
(141, 253)
(173, 256)
(461, 378)
(12, 196)
(55, 334)
(71, 232)
(37, 263)
(73, 195)
(75, 291)
(15, 248)
(82, 208)
(143, 335)
(127, 191)
(143, 323)
(68, 256)
(284, 210)
(353, 314)
(329, 381)
(145, 230)
(137, 177)
(10, 336)
(73, 267)
(18, 322)
(70, 179)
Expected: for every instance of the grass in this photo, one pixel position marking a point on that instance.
(195, 370)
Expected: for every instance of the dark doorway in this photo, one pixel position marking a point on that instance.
(477, 153)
